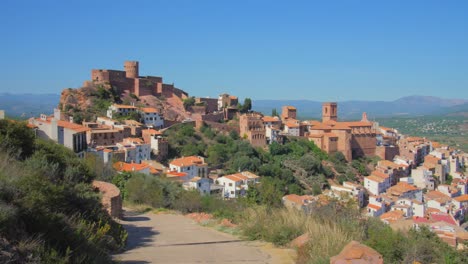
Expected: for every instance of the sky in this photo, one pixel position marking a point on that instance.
(316, 50)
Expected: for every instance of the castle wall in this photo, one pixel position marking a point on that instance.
(208, 117)
(222, 127)
(145, 87)
(211, 103)
(363, 145)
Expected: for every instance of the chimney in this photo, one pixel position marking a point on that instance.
(71, 119)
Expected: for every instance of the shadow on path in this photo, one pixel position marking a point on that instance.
(133, 262)
(135, 218)
(202, 243)
(138, 236)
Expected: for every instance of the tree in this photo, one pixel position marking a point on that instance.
(190, 101)
(274, 112)
(16, 138)
(247, 105)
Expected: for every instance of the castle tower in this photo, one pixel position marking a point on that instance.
(329, 111)
(131, 69)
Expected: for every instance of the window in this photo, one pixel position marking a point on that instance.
(199, 184)
(230, 184)
(232, 192)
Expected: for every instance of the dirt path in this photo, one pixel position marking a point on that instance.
(170, 238)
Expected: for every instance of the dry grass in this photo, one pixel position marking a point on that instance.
(329, 231)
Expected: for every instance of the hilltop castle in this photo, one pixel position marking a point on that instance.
(130, 80)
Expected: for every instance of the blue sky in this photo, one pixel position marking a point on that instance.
(318, 50)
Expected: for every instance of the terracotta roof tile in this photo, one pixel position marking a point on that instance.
(149, 110)
(187, 161)
(129, 167)
(462, 198)
(375, 179)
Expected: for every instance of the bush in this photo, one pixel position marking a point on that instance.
(49, 211)
(16, 138)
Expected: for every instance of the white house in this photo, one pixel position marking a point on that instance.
(193, 165)
(409, 207)
(292, 128)
(120, 109)
(375, 185)
(404, 190)
(449, 190)
(151, 117)
(376, 206)
(203, 185)
(135, 150)
(354, 190)
(438, 200)
(236, 185)
(422, 178)
(68, 134)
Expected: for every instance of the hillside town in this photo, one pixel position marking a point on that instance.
(415, 182)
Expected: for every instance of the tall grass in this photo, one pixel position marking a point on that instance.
(329, 229)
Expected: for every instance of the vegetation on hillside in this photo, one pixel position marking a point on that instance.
(49, 212)
(451, 130)
(298, 166)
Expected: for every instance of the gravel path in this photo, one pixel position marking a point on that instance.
(171, 238)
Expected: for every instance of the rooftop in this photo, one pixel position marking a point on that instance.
(187, 161)
(129, 167)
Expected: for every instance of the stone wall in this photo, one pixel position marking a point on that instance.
(222, 127)
(111, 199)
(387, 152)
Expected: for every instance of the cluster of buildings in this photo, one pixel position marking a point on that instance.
(352, 138)
(127, 140)
(424, 185)
(131, 146)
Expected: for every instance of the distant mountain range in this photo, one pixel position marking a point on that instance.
(27, 105)
(405, 106)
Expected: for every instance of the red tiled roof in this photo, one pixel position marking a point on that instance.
(149, 110)
(437, 196)
(373, 206)
(462, 198)
(392, 216)
(72, 126)
(176, 174)
(187, 161)
(375, 178)
(236, 177)
(443, 217)
(297, 199)
(400, 188)
(270, 119)
(380, 174)
(129, 167)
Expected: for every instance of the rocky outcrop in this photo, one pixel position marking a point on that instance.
(111, 199)
(355, 252)
(83, 101)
